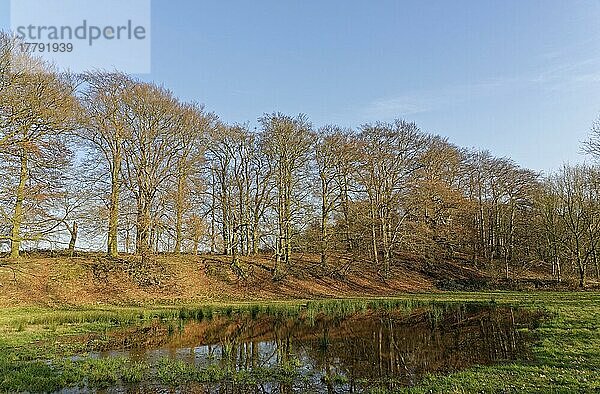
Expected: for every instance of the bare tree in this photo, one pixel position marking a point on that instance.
(327, 159)
(547, 204)
(154, 121)
(391, 156)
(38, 110)
(592, 145)
(576, 190)
(287, 142)
(196, 126)
(437, 201)
(220, 157)
(103, 125)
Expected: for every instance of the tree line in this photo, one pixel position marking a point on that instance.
(104, 158)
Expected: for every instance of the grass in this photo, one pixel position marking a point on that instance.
(567, 354)
(33, 358)
(93, 319)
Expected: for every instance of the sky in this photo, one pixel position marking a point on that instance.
(520, 78)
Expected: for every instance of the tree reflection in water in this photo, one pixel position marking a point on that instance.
(339, 354)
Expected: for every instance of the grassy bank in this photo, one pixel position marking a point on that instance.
(34, 344)
(567, 353)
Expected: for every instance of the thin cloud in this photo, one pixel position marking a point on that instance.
(430, 100)
(559, 76)
(398, 105)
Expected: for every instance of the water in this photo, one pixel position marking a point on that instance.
(389, 348)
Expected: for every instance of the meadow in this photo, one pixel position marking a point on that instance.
(38, 345)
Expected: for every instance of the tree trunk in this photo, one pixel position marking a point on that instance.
(73, 239)
(179, 213)
(113, 214)
(324, 213)
(288, 231)
(278, 261)
(595, 256)
(346, 214)
(127, 239)
(143, 228)
(226, 214)
(196, 245)
(581, 270)
(213, 219)
(281, 246)
(255, 237)
(383, 217)
(374, 235)
(18, 214)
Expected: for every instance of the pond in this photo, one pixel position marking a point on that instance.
(319, 352)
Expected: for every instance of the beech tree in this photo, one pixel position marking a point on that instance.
(346, 154)
(288, 143)
(576, 192)
(326, 158)
(153, 122)
(103, 125)
(441, 208)
(38, 110)
(220, 157)
(261, 173)
(391, 156)
(196, 124)
(241, 186)
(547, 205)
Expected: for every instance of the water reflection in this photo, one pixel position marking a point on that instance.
(336, 354)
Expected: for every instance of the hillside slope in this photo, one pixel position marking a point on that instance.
(93, 279)
(89, 279)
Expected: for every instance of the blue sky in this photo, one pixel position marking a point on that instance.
(518, 77)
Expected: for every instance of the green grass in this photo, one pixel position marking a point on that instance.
(33, 348)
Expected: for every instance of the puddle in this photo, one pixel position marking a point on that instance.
(334, 354)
